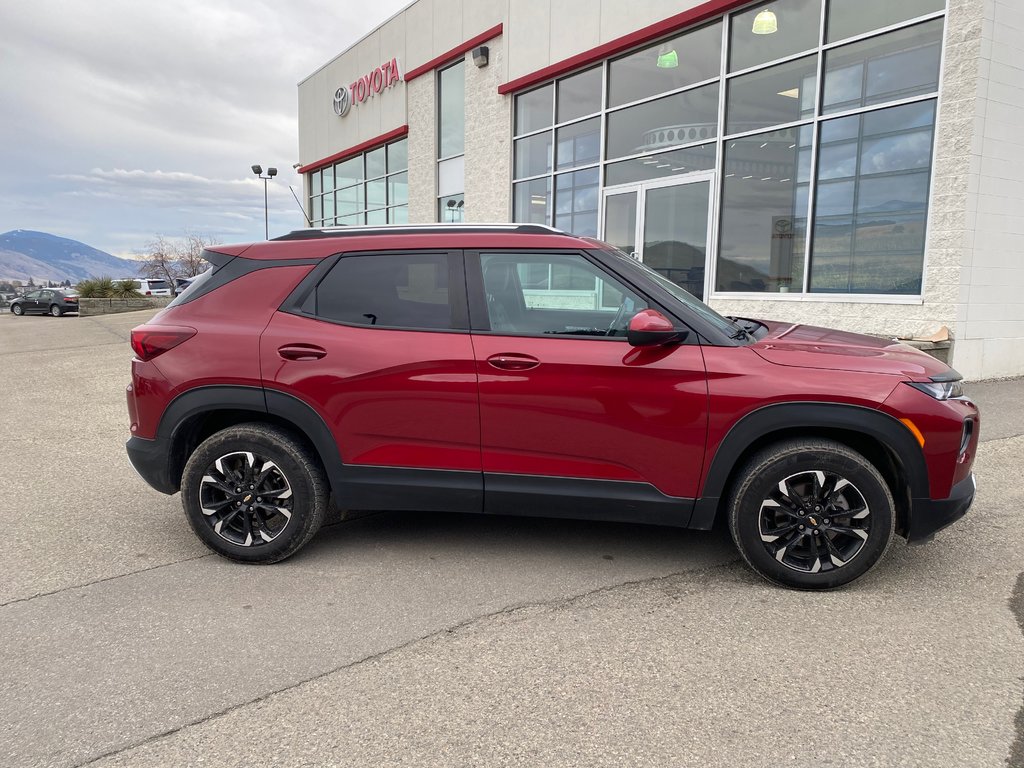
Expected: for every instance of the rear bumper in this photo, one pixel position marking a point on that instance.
(930, 515)
(150, 460)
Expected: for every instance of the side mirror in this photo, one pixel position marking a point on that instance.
(650, 328)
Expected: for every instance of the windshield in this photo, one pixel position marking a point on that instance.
(157, 284)
(727, 326)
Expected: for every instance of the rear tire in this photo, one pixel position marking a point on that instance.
(254, 493)
(56, 311)
(811, 514)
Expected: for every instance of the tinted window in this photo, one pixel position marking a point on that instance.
(392, 290)
(847, 18)
(772, 30)
(157, 285)
(555, 294)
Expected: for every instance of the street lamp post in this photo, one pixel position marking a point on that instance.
(271, 173)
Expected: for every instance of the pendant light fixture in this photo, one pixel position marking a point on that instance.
(765, 23)
(667, 57)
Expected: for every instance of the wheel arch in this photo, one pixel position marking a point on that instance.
(198, 413)
(880, 438)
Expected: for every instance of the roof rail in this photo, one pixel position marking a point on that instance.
(414, 229)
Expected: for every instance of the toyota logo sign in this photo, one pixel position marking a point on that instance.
(342, 101)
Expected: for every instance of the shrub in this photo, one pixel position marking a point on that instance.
(125, 289)
(97, 288)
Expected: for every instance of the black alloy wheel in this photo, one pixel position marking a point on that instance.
(811, 514)
(254, 492)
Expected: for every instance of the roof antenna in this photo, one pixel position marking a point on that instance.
(310, 223)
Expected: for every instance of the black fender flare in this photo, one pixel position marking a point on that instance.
(288, 408)
(872, 423)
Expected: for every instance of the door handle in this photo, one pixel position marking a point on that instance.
(301, 352)
(513, 361)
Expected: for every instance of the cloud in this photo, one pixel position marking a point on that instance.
(151, 113)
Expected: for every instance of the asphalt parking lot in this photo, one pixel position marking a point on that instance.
(404, 639)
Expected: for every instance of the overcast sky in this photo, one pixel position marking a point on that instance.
(124, 119)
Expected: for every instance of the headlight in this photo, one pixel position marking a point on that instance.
(940, 390)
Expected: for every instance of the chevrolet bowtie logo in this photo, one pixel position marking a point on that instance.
(248, 498)
(811, 520)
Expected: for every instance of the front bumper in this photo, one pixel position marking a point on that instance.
(150, 460)
(930, 515)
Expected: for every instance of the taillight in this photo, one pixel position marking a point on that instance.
(148, 341)
(70, 300)
(149, 293)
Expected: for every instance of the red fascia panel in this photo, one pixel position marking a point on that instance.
(458, 50)
(397, 133)
(695, 15)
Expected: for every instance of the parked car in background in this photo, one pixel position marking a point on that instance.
(149, 287)
(45, 301)
(516, 369)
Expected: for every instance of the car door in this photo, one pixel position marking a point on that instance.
(31, 301)
(569, 411)
(379, 345)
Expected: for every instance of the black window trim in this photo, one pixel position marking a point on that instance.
(296, 302)
(480, 319)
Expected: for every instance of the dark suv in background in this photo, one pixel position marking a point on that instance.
(515, 369)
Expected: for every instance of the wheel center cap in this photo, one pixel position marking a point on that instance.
(248, 498)
(812, 520)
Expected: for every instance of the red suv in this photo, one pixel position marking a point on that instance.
(515, 369)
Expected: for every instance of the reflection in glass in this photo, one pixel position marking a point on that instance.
(662, 165)
(398, 215)
(379, 216)
(375, 163)
(398, 156)
(579, 95)
(579, 143)
(796, 29)
(452, 111)
(451, 208)
(676, 233)
(314, 183)
(764, 212)
(533, 155)
(780, 94)
(681, 118)
(847, 18)
(870, 215)
(349, 171)
(398, 189)
(897, 65)
(654, 70)
(376, 193)
(620, 221)
(531, 201)
(576, 202)
(329, 207)
(533, 109)
(328, 179)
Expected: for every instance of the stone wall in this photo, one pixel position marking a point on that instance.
(89, 307)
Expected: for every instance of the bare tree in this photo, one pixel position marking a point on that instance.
(190, 254)
(160, 260)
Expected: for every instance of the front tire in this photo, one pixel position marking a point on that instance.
(254, 493)
(56, 311)
(17, 311)
(811, 514)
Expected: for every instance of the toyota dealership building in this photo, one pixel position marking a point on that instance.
(850, 163)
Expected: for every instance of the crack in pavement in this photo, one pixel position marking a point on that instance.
(510, 610)
(1016, 758)
(101, 580)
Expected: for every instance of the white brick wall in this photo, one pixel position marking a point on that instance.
(488, 140)
(422, 118)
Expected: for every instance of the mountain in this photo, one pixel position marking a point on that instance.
(42, 256)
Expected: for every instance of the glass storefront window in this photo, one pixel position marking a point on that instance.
(773, 96)
(451, 98)
(579, 143)
(398, 189)
(451, 208)
(533, 155)
(871, 202)
(897, 65)
(349, 172)
(681, 118)
(534, 109)
(576, 202)
(773, 30)
(847, 18)
(531, 201)
(666, 66)
(698, 158)
(314, 183)
(348, 205)
(579, 95)
(375, 163)
(764, 213)
(398, 156)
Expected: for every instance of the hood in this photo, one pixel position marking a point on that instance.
(806, 346)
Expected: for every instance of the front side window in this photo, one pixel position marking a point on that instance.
(554, 294)
(388, 290)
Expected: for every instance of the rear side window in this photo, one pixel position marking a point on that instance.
(390, 290)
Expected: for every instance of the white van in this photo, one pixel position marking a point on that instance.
(148, 287)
